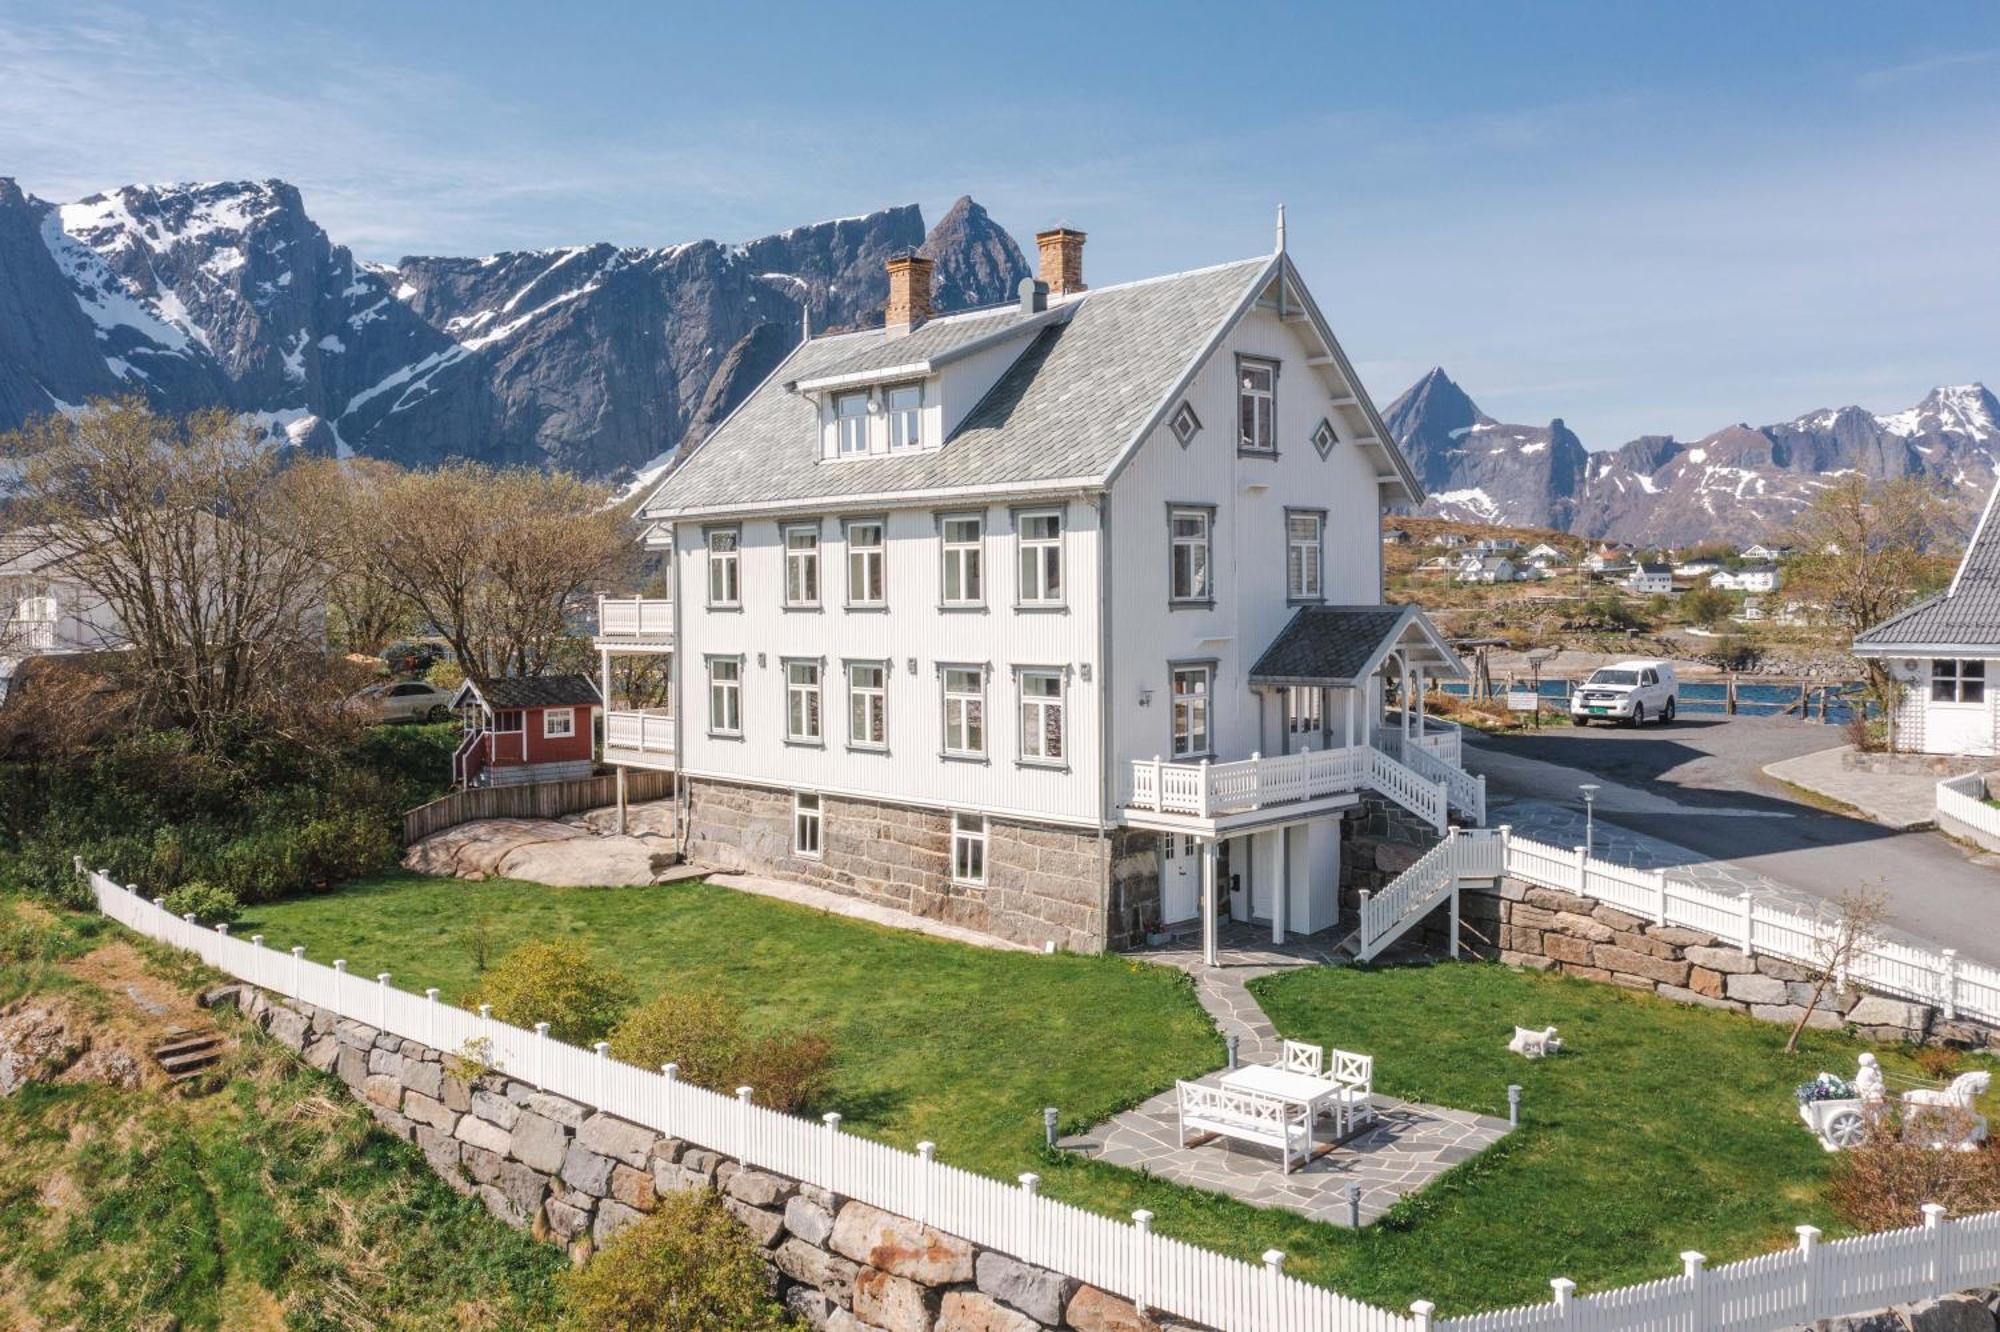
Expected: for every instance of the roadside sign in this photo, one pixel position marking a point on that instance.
(1523, 700)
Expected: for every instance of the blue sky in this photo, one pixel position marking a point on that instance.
(1636, 217)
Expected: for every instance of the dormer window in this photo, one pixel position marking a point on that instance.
(1256, 405)
(905, 404)
(851, 422)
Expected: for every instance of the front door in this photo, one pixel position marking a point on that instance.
(1180, 878)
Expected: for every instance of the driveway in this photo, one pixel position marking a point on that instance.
(1699, 785)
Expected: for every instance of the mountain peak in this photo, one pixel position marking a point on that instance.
(975, 257)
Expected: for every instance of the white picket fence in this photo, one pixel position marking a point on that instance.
(1154, 1271)
(1938, 977)
(1964, 799)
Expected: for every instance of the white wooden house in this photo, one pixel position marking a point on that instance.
(1061, 620)
(1650, 579)
(1486, 569)
(45, 610)
(1945, 653)
(1749, 578)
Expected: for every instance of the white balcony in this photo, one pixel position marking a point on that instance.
(635, 621)
(1182, 794)
(643, 733)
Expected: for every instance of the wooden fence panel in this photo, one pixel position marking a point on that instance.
(533, 800)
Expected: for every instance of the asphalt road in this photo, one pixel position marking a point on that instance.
(1699, 783)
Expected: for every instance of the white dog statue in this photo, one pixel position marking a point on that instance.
(1532, 1044)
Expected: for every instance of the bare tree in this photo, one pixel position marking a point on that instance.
(365, 609)
(197, 540)
(1844, 937)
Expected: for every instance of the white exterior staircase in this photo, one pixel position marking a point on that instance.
(1436, 878)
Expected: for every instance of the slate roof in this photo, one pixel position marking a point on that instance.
(1339, 645)
(1078, 394)
(1965, 615)
(550, 691)
(935, 341)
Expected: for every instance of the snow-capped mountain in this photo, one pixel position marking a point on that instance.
(1741, 483)
(592, 358)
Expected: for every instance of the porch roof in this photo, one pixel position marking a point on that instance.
(1339, 647)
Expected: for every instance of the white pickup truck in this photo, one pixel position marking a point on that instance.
(1627, 691)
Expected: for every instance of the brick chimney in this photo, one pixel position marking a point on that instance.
(909, 294)
(1062, 259)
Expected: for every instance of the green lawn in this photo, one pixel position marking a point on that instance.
(1661, 1127)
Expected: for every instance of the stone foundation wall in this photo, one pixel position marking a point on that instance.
(1135, 887)
(1547, 930)
(1379, 839)
(1044, 884)
(574, 1176)
(1914, 765)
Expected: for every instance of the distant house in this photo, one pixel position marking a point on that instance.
(1395, 536)
(1487, 569)
(1944, 651)
(1449, 540)
(1695, 568)
(1749, 578)
(44, 610)
(1765, 553)
(1753, 611)
(519, 731)
(1497, 545)
(1544, 551)
(1648, 578)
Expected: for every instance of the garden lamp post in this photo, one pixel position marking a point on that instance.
(1589, 790)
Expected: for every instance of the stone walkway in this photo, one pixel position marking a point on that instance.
(1904, 801)
(1409, 1145)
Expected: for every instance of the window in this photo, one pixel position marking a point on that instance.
(868, 704)
(965, 711)
(725, 587)
(850, 411)
(558, 723)
(1954, 680)
(864, 564)
(1256, 405)
(964, 560)
(1189, 538)
(507, 722)
(906, 417)
(802, 566)
(1042, 717)
(802, 700)
(1040, 538)
(725, 696)
(37, 610)
(968, 848)
(806, 825)
(1324, 438)
(1304, 705)
(1185, 425)
(1190, 709)
(1303, 532)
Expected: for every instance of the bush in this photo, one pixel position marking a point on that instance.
(211, 903)
(557, 983)
(789, 1072)
(689, 1267)
(342, 846)
(258, 868)
(702, 1033)
(1880, 1185)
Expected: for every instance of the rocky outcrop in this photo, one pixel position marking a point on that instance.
(50, 1040)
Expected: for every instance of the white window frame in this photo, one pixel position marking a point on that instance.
(1951, 674)
(1035, 558)
(969, 835)
(957, 710)
(969, 553)
(805, 701)
(725, 567)
(858, 557)
(851, 435)
(1202, 704)
(549, 718)
(905, 422)
(1297, 590)
(1205, 594)
(1305, 709)
(730, 690)
(801, 560)
(38, 610)
(806, 815)
(866, 701)
(1033, 712)
(1261, 440)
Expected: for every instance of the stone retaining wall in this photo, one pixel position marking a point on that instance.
(1912, 765)
(574, 1176)
(1544, 929)
(1044, 884)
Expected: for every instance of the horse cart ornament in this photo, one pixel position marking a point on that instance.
(1844, 1114)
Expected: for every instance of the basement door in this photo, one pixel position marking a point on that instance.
(1180, 878)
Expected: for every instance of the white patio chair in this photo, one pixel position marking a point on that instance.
(1298, 1057)
(1354, 1074)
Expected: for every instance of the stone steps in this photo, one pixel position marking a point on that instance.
(184, 1053)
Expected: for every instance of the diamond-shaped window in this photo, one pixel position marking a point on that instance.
(1323, 437)
(1185, 425)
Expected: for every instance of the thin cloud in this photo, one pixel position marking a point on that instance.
(1917, 69)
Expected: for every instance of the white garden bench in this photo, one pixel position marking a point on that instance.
(1247, 1116)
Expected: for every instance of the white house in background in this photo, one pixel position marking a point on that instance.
(1648, 578)
(1497, 545)
(1749, 578)
(1544, 552)
(1060, 620)
(44, 610)
(1763, 553)
(1945, 653)
(1695, 568)
(1486, 569)
(1449, 540)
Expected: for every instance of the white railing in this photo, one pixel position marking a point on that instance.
(635, 617)
(1463, 790)
(1411, 895)
(1409, 788)
(1208, 790)
(1156, 1272)
(1443, 738)
(646, 732)
(1937, 977)
(1964, 799)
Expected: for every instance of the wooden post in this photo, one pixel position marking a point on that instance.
(1729, 700)
(1284, 886)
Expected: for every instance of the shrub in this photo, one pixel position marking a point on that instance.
(700, 1031)
(1937, 1061)
(1880, 1185)
(342, 846)
(557, 983)
(258, 867)
(211, 903)
(689, 1267)
(789, 1072)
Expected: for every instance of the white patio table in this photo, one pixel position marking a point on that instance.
(1319, 1095)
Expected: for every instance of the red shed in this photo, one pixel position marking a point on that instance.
(526, 730)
